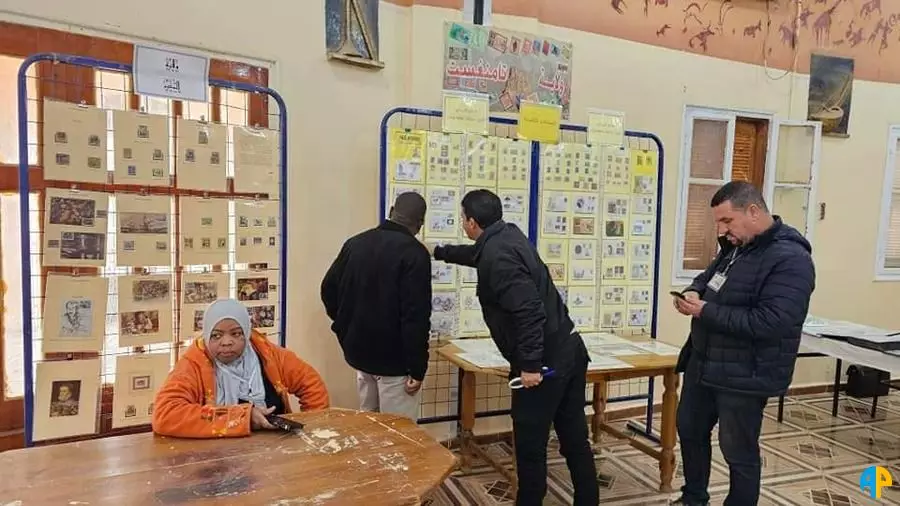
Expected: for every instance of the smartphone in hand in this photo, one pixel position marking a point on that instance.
(677, 295)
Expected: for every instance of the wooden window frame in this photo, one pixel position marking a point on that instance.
(883, 273)
(77, 84)
(680, 275)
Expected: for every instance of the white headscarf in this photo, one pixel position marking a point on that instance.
(242, 379)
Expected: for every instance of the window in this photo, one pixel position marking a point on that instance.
(721, 146)
(887, 262)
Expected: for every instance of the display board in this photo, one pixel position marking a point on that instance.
(443, 167)
(591, 211)
(598, 233)
(146, 220)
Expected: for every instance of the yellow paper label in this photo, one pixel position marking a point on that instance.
(539, 122)
(606, 128)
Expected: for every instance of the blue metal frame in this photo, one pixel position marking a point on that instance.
(533, 207)
(25, 190)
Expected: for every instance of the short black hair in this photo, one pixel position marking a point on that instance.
(483, 206)
(741, 194)
(409, 210)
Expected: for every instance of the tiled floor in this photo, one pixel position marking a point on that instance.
(810, 459)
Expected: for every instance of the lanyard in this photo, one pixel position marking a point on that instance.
(734, 257)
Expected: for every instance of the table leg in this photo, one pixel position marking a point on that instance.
(466, 424)
(874, 406)
(601, 393)
(667, 439)
(838, 364)
(780, 408)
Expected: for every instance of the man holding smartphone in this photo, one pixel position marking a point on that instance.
(531, 327)
(747, 311)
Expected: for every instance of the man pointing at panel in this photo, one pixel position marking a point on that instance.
(531, 327)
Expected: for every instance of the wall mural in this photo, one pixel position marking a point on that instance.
(772, 32)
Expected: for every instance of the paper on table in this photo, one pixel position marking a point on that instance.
(599, 362)
(602, 339)
(616, 350)
(658, 348)
(484, 360)
(475, 345)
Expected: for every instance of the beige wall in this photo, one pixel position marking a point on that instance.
(335, 111)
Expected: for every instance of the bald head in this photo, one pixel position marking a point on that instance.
(409, 210)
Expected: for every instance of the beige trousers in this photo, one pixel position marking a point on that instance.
(386, 394)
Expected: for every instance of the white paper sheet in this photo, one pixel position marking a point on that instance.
(658, 348)
(485, 360)
(476, 345)
(599, 362)
(594, 339)
(616, 350)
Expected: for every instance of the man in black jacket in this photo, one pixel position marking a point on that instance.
(378, 294)
(747, 309)
(531, 327)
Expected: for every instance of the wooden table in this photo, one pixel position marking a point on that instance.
(643, 366)
(342, 457)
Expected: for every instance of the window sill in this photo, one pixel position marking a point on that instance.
(887, 276)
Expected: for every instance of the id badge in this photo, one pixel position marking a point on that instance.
(718, 279)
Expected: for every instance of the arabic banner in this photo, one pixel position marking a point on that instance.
(510, 67)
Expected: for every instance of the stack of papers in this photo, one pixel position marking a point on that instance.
(658, 348)
(600, 362)
(485, 360)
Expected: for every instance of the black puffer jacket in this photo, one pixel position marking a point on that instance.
(521, 306)
(748, 333)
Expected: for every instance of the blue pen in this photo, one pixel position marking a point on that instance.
(516, 383)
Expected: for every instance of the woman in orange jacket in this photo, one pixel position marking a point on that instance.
(230, 379)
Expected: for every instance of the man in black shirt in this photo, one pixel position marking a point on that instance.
(378, 294)
(531, 327)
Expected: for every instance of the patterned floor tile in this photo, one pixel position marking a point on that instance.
(821, 491)
(774, 465)
(881, 446)
(859, 411)
(617, 484)
(648, 467)
(807, 417)
(850, 477)
(718, 499)
(891, 402)
(815, 451)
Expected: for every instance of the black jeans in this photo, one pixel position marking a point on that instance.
(740, 420)
(560, 401)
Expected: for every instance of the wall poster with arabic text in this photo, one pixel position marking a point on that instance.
(510, 67)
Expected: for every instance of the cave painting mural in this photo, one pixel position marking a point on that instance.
(772, 32)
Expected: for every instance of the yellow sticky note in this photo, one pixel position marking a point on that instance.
(606, 128)
(539, 122)
(466, 113)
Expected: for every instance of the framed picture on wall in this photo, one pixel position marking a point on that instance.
(351, 32)
(830, 93)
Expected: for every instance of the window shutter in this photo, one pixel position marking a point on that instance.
(709, 139)
(744, 151)
(700, 244)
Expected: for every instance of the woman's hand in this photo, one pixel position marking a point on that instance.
(258, 418)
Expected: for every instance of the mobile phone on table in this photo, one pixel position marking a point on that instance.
(677, 294)
(285, 424)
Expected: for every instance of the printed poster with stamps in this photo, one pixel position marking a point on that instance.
(202, 150)
(256, 161)
(406, 155)
(444, 158)
(145, 310)
(480, 161)
(142, 148)
(74, 317)
(444, 314)
(198, 291)
(258, 291)
(138, 378)
(514, 159)
(144, 230)
(258, 232)
(74, 142)
(65, 398)
(615, 162)
(509, 66)
(204, 231)
(75, 228)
